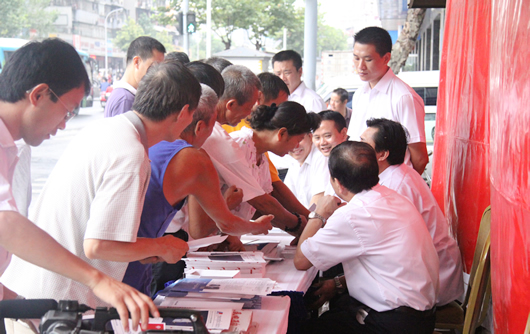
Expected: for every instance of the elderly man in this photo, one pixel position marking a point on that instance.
(179, 169)
(338, 101)
(40, 88)
(389, 140)
(390, 264)
(101, 181)
(288, 66)
(142, 52)
(240, 95)
(385, 95)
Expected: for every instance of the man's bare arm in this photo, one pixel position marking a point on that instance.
(287, 199)
(168, 249)
(202, 182)
(419, 156)
(21, 237)
(266, 204)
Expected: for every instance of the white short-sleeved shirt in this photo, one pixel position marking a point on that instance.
(385, 249)
(310, 178)
(231, 164)
(8, 161)
(96, 191)
(311, 101)
(392, 99)
(407, 182)
(260, 172)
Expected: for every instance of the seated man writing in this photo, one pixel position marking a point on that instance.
(389, 140)
(390, 263)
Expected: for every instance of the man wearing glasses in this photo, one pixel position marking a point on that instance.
(40, 87)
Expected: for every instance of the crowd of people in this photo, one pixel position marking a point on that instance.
(192, 149)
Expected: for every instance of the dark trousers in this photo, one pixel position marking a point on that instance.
(164, 272)
(343, 319)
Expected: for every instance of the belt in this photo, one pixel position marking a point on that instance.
(414, 312)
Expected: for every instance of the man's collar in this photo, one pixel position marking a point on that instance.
(298, 91)
(384, 82)
(125, 85)
(6, 139)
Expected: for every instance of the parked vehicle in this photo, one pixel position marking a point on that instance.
(105, 96)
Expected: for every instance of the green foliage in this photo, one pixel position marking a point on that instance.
(144, 27)
(270, 19)
(20, 16)
(328, 38)
(127, 34)
(261, 18)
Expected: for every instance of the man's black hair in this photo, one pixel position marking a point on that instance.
(390, 136)
(336, 117)
(271, 86)
(354, 165)
(288, 55)
(165, 90)
(218, 63)
(208, 75)
(342, 93)
(143, 47)
(52, 61)
(180, 56)
(378, 37)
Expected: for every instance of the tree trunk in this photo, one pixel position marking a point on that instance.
(407, 39)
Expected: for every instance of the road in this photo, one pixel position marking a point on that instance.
(45, 156)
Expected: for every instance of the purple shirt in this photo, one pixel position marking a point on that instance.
(120, 101)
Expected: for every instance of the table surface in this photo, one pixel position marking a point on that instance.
(274, 315)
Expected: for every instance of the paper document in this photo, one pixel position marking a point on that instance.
(205, 242)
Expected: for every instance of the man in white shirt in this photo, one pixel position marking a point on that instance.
(239, 97)
(308, 176)
(386, 96)
(389, 140)
(288, 66)
(331, 132)
(94, 196)
(40, 87)
(142, 52)
(390, 264)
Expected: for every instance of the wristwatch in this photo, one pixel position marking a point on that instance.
(316, 215)
(338, 285)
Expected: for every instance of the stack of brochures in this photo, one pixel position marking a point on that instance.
(221, 299)
(249, 264)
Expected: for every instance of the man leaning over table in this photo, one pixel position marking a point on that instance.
(180, 169)
(389, 140)
(40, 87)
(390, 263)
(274, 90)
(93, 199)
(239, 97)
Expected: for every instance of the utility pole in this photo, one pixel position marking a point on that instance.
(185, 9)
(208, 28)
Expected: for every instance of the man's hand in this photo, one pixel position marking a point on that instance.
(171, 249)
(231, 244)
(326, 205)
(125, 299)
(263, 224)
(233, 197)
(325, 291)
